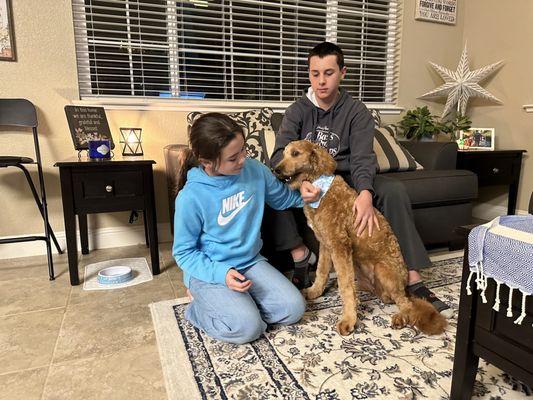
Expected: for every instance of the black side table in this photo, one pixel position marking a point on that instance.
(483, 332)
(120, 184)
(498, 167)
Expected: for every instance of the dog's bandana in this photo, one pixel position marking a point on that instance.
(323, 183)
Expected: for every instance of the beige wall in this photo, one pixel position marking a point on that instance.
(497, 31)
(45, 73)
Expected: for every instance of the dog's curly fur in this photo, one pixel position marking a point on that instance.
(376, 262)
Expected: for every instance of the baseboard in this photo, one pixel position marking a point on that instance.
(98, 239)
(489, 211)
(132, 235)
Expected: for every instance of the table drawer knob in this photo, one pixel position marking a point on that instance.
(495, 170)
(109, 188)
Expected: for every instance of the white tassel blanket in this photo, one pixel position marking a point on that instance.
(502, 249)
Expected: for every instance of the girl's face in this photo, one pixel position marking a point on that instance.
(231, 159)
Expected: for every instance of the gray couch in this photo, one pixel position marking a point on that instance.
(441, 195)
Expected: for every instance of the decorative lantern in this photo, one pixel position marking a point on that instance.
(131, 141)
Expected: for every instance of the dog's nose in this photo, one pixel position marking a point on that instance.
(277, 170)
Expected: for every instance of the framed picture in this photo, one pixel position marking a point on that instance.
(87, 123)
(478, 139)
(7, 39)
(442, 11)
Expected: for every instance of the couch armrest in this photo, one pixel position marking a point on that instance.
(178, 160)
(433, 155)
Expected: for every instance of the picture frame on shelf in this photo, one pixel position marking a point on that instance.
(7, 35)
(478, 139)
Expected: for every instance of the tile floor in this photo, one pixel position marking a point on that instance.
(60, 342)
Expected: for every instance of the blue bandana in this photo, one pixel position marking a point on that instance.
(323, 183)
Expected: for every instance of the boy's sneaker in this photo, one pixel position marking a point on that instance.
(300, 277)
(421, 291)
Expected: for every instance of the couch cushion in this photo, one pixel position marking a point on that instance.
(432, 188)
(390, 154)
(256, 126)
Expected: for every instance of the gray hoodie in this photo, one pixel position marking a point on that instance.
(346, 130)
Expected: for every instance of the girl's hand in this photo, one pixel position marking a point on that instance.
(309, 192)
(365, 213)
(237, 281)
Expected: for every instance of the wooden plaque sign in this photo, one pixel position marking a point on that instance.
(87, 123)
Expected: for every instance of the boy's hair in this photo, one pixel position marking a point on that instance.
(327, 49)
(210, 133)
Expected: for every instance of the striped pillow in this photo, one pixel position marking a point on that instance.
(391, 156)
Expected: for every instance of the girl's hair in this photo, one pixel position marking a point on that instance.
(210, 133)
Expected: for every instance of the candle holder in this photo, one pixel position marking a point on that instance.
(130, 138)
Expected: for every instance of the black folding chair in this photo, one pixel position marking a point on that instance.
(21, 113)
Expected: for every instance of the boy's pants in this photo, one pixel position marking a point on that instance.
(390, 198)
(236, 317)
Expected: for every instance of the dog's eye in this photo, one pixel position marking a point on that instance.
(295, 153)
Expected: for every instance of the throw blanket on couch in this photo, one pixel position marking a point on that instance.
(502, 249)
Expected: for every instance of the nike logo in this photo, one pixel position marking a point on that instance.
(235, 204)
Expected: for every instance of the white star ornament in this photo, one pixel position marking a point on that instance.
(462, 84)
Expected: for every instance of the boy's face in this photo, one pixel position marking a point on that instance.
(325, 77)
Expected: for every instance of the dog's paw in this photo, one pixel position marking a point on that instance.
(398, 321)
(311, 293)
(346, 326)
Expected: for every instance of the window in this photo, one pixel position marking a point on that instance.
(231, 49)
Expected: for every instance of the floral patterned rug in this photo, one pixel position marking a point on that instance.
(310, 360)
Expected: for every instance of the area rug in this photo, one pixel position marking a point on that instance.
(310, 360)
(139, 266)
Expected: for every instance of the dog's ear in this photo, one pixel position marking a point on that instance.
(324, 164)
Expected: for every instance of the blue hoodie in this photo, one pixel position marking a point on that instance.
(217, 222)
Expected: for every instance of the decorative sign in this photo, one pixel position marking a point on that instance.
(87, 123)
(443, 11)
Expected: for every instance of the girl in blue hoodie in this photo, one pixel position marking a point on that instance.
(217, 224)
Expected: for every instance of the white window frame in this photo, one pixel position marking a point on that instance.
(176, 104)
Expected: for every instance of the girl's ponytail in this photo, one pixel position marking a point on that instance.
(185, 160)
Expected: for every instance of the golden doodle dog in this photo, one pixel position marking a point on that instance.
(376, 262)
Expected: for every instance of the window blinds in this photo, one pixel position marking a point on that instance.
(231, 49)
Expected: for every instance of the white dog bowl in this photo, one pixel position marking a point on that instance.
(114, 275)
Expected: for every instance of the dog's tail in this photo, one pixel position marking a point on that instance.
(422, 314)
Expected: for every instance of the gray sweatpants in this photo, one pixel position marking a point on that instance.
(285, 229)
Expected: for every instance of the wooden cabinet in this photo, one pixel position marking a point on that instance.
(498, 167)
(119, 184)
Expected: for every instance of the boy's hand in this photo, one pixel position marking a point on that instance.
(237, 281)
(309, 192)
(365, 213)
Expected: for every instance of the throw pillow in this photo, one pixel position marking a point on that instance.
(256, 125)
(391, 155)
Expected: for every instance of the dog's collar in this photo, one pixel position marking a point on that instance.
(323, 183)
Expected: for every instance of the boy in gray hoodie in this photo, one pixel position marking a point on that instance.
(326, 114)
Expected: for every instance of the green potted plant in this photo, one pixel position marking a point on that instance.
(452, 126)
(418, 124)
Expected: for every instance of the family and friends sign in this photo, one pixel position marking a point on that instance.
(443, 11)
